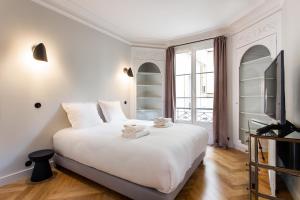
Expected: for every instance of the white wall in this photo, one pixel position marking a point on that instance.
(263, 30)
(291, 43)
(84, 65)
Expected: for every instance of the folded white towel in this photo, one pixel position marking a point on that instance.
(161, 123)
(136, 134)
(162, 120)
(164, 125)
(133, 128)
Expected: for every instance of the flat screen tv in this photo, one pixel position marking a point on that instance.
(274, 90)
(288, 154)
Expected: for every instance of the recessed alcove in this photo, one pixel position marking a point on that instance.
(149, 92)
(251, 89)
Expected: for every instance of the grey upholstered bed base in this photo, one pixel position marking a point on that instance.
(122, 186)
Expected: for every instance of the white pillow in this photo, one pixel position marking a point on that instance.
(82, 115)
(112, 111)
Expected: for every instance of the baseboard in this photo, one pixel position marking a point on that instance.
(240, 147)
(16, 176)
(13, 177)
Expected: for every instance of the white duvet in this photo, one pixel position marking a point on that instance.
(159, 160)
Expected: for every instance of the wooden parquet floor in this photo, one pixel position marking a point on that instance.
(222, 177)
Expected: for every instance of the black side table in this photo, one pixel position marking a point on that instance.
(42, 169)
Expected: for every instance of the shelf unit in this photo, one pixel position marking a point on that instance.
(256, 78)
(148, 110)
(249, 113)
(149, 92)
(256, 60)
(149, 73)
(250, 96)
(147, 85)
(148, 98)
(251, 87)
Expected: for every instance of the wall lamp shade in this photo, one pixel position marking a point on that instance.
(128, 72)
(39, 52)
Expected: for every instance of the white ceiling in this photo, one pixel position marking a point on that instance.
(153, 22)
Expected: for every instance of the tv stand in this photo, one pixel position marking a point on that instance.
(283, 129)
(255, 165)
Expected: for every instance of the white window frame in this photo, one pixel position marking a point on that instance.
(193, 48)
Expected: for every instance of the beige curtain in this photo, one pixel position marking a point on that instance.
(170, 96)
(220, 134)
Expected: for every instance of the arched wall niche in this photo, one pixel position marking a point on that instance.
(149, 67)
(253, 64)
(148, 91)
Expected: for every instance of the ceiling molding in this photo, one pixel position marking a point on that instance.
(155, 46)
(267, 9)
(238, 23)
(218, 31)
(245, 13)
(84, 22)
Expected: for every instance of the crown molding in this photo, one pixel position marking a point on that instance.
(265, 10)
(84, 22)
(269, 8)
(214, 32)
(154, 46)
(239, 23)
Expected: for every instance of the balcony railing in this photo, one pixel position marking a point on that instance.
(202, 114)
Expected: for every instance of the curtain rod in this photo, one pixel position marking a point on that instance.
(193, 42)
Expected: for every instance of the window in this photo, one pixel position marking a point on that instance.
(204, 84)
(183, 86)
(194, 69)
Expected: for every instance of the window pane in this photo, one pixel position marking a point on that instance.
(204, 60)
(204, 84)
(183, 86)
(183, 63)
(183, 102)
(205, 102)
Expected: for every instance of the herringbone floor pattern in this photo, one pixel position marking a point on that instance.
(222, 177)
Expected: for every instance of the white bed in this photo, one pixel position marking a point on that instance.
(159, 160)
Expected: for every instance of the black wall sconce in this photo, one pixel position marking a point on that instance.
(128, 72)
(39, 52)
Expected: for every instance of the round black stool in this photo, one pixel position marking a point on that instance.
(42, 169)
